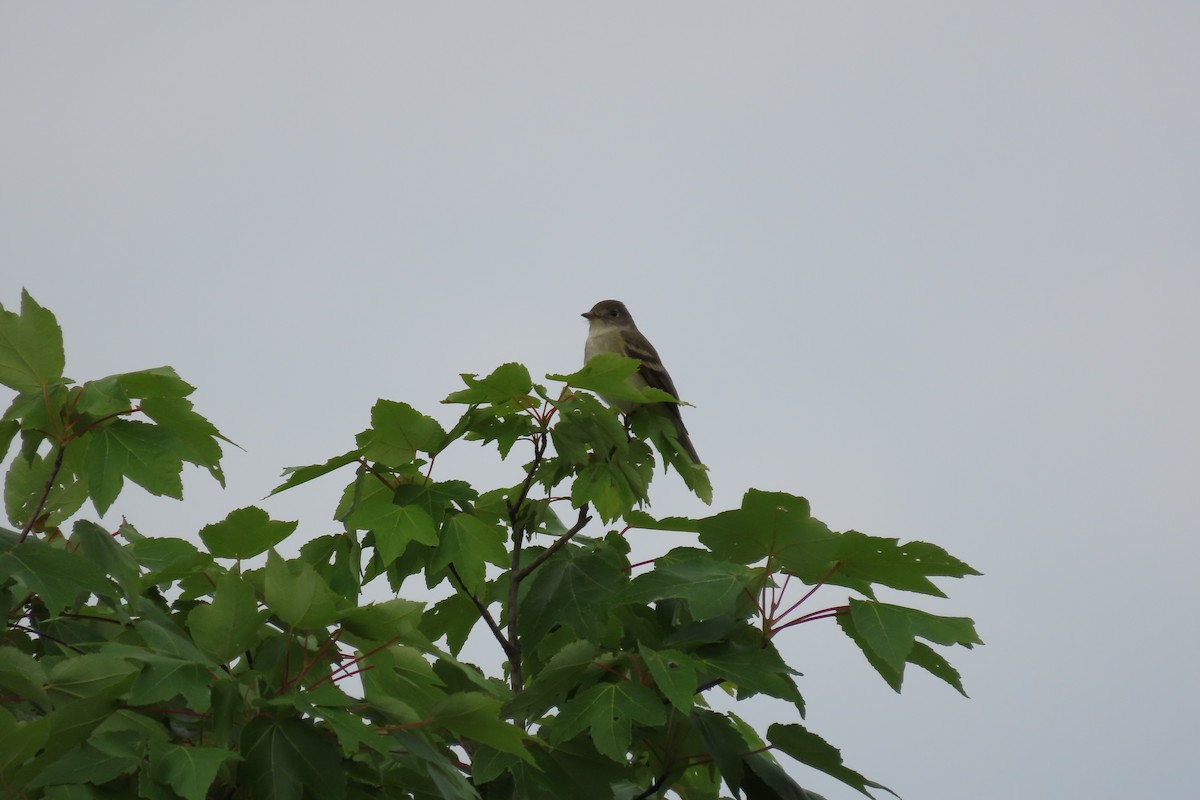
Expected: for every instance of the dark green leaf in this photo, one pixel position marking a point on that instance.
(675, 675)
(710, 585)
(245, 533)
(98, 545)
(283, 757)
(930, 660)
(576, 588)
(394, 525)
(863, 560)
(22, 675)
(476, 716)
(90, 675)
(609, 710)
(808, 748)
(468, 542)
(189, 770)
(31, 347)
(59, 578)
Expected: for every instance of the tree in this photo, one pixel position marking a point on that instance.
(142, 666)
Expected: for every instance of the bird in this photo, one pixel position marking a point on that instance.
(611, 329)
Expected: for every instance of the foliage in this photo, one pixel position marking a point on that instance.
(140, 666)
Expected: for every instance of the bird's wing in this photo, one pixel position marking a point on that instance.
(651, 371)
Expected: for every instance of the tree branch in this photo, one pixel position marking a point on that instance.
(37, 512)
(561, 541)
(483, 612)
(516, 679)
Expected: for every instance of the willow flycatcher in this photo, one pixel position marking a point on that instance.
(611, 330)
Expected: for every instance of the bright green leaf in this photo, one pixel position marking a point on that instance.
(298, 594)
(31, 347)
(608, 376)
(299, 475)
(507, 382)
(397, 433)
(382, 621)
(245, 533)
(468, 542)
(230, 624)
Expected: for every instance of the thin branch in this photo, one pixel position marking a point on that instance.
(483, 612)
(559, 543)
(811, 591)
(824, 613)
(516, 679)
(37, 512)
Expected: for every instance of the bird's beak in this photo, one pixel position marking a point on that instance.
(586, 315)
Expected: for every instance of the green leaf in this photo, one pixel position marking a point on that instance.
(725, 744)
(22, 675)
(98, 545)
(751, 668)
(195, 438)
(808, 748)
(507, 382)
(609, 710)
(394, 525)
(8, 430)
(476, 716)
(299, 475)
(773, 525)
(27, 480)
(298, 594)
(608, 488)
(58, 577)
(576, 588)
(468, 542)
(884, 631)
(31, 347)
(142, 452)
(190, 771)
(283, 757)
(90, 675)
(863, 560)
(397, 432)
(710, 585)
(930, 660)
(245, 533)
(565, 670)
(383, 621)
(154, 382)
(608, 376)
(675, 674)
(22, 739)
(230, 624)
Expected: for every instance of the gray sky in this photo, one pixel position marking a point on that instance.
(931, 265)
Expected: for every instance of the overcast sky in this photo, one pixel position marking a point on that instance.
(931, 265)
